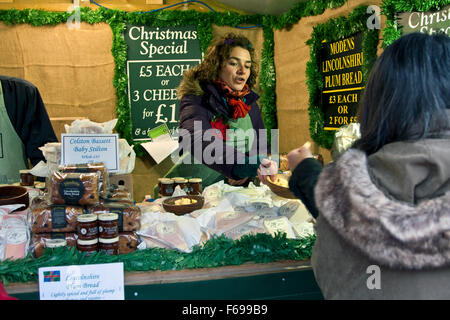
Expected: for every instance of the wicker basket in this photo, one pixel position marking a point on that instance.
(279, 190)
(169, 205)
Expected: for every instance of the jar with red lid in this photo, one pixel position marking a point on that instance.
(109, 246)
(89, 247)
(87, 227)
(108, 225)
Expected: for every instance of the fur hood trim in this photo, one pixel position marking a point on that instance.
(391, 232)
(189, 85)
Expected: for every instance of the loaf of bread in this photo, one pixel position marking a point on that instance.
(92, 168)
(54, 218)
(128, 242)
(74, 188)
(39, 241)
(129, 216)
(117, 194)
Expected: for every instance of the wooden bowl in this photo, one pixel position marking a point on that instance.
(280, 190)
(169, 205)
(14, 195)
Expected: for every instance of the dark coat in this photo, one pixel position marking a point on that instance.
(201, 102)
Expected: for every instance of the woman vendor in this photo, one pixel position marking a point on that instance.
(216, 101)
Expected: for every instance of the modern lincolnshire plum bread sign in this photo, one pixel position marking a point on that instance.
(341, 66)
(157, 57)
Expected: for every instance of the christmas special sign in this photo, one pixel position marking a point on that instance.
(430, 22)
(156, 60)
(341, 66)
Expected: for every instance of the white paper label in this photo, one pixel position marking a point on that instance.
(89, 148)
(82, 282)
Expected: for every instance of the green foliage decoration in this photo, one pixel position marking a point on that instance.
(216, 252)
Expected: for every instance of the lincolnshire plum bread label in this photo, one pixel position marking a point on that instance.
(71, 190)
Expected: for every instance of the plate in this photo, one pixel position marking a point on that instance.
(170, 206)
(280, 190)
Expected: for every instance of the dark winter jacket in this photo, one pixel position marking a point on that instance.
(201, 102)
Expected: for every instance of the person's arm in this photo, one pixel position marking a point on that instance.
(302, 182)
(28, 116)
(305, 172)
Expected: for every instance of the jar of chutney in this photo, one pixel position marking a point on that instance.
(108, 225)
(87, 246)
(109, 246)
(87, 227)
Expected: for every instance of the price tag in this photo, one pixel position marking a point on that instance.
(82, 282)
(89, 148)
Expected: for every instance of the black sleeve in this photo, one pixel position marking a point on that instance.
(28, 116)
(302, 183)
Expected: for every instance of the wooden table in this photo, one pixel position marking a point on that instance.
(284, 280)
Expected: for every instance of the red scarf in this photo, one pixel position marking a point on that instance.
(234, 98)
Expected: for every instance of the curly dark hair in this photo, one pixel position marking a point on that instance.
(218, 53)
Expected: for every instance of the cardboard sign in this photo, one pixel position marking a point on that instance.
(89, 148)
(82, 282)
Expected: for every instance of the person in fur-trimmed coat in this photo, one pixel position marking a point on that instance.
(216, 99)
(383, 207)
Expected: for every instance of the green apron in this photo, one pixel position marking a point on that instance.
(12, 149)
(208, 175)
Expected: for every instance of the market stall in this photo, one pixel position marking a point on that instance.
(64, 224)
(107, 193)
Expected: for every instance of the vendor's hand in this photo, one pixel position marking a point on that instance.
(298, 155)
(240, 182)
(267, 168)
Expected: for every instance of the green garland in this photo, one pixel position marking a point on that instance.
(216, 252)
(392, 31)
(268, 81)
(330, 31)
